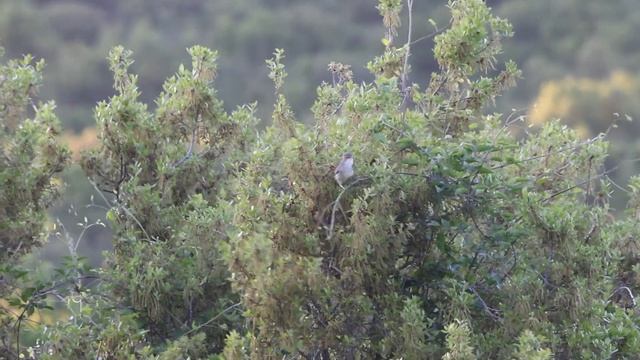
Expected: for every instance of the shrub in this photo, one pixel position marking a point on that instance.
(31, 160)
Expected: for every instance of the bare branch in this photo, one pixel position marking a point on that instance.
(494, 314)
(408, 51)
(189, 153)
(124, 208)
(213, 318)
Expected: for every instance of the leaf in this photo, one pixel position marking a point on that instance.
(485, 148)
(461, 190)
(441, 243)
(26, 293)
(406, 143)
(411, 161)
(433, 23)
(15, 302)
(381, 137)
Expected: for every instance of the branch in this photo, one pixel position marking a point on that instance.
(213, 318)
(493, 313)
(589, 179)
(19, 323)
(189, 153)
(428, 36)
(127, 211)
(123, 175)
(560, 150)
(336, 205)
(475, 223)
(21, 317)
(408, 46)
(587, 194)
(628, 292)
(50, 290)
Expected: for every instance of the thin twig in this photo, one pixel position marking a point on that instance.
(560, 150)
(19, 323)
(493, 313)
(213, 318)
(428, 36)
(609, 179)
(408, 50)
(336, 205)
(97, 207)
(127, 211)
(104, 198)
(16, 315)
(475, 223)
(84, 230)
(123, 176)
(189, 153)
(587, 194)
(560, 192)
(22, 316)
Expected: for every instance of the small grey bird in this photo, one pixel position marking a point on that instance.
(344, 170)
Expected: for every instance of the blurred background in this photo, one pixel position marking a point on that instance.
(580, 59)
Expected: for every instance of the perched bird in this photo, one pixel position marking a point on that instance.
(344, 170)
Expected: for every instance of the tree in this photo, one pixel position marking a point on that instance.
(31, 160)
(451, 225)
(454, 239)
(166, 174)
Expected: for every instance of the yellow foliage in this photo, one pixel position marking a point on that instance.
(574, 100)
(81, 142)
(552, 101)
(38, 317)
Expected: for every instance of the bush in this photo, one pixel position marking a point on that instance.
(450, 225)
(31, 160)
(453, 239)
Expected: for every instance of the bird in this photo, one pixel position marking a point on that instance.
(344, 169)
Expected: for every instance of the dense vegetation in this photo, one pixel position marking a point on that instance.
(30, 164)
(579, 59)
(457, 237)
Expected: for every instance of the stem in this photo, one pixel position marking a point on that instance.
(213, 318)
(408, 46)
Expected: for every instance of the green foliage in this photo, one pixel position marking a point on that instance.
(390, 11)
(455, 239)
(489, 232)
(31, 156)
(413, 330)
(473, 40)
(530, 348)
(167, 173)
(235, 347)
(276, 69)
(110, 336)
(186, 348)
(458, 338)
(31, 160)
